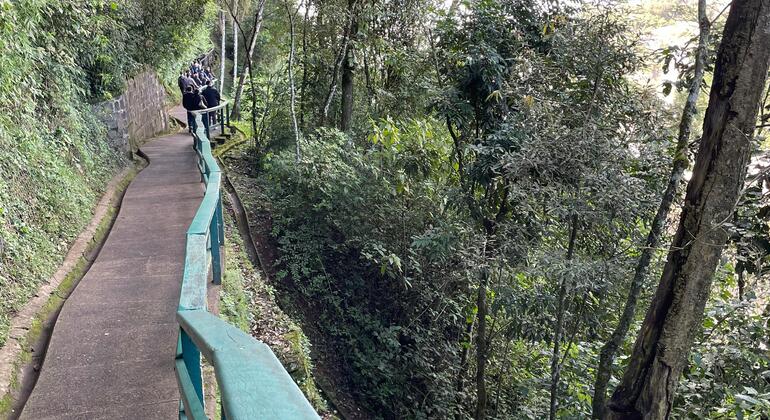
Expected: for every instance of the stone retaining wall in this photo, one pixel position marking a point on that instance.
(138, 114)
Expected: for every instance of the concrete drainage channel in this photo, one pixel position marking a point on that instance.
(242, 221)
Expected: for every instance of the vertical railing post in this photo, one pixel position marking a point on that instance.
(199, 150)
(206, 125)
(220, 220)
(192, 361)
(216, 257)
(227, 114)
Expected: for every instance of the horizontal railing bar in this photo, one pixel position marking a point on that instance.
(252, 382)
(194, 279)
(208, 206)
(212, 109)
(193, 408)
(205, 155)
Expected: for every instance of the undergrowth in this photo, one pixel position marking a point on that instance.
(58, 58)
(248, 301)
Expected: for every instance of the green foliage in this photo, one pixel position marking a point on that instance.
(497, 141)
(59, 56)
(346, 224)
(729, 372)
(247, 301)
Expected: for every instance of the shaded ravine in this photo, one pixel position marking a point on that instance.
(259, 221)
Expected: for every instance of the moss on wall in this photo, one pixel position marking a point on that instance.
(58, 58)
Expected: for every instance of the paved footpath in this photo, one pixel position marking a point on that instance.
(112, 350)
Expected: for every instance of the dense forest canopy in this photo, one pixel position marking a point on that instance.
(480, 208)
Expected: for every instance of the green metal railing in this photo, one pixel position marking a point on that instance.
(222, 113)
(252, 382)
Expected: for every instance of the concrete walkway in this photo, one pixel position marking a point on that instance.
(111, 354)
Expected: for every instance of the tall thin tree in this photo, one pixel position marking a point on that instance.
(348, 72)
(236, 35)
(251, 39)
(292, 93)
(660, 353)
(610, 348)
(340, 57)
(258, 16)
(305, 64)
(223, 28)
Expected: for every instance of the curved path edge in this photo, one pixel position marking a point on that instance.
(111, 353)
(22, 321)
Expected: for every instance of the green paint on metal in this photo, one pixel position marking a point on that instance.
(193, 409)
(252, 381)
(193, 294)
(208, 207)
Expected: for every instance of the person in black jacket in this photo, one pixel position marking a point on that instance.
(191, 81)
(212, 97)
(182, 82)
(192, 101)
(196, 78)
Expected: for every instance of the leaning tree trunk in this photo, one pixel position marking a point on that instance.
(660, 352)
(236, 112)
(223, 27)
(610, 348)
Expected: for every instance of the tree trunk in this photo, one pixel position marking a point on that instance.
(256, 133)
(298, 152)
(235, 43)
(481, 346)
(249, 54)
(338, 62)
(660, 352)
(564, 288)
(303, 87)
(223, 27)
(609, 350)
(347, 93)
(348, 70)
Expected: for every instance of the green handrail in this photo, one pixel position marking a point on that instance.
(252, 382)
(222, 114)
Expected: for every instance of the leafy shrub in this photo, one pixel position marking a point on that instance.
(59, 56)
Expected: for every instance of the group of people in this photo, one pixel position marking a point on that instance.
(196, 75)
(198, 92)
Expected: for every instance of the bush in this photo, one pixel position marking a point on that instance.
(59, 56)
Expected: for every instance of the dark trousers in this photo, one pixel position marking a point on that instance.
(190, 122)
